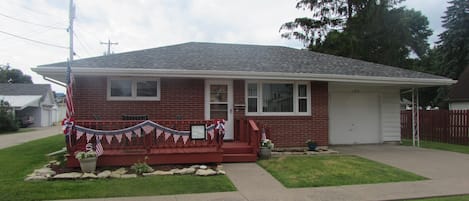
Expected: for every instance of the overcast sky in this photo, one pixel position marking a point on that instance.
(141, 24)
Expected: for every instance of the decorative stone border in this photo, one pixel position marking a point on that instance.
(47, 174)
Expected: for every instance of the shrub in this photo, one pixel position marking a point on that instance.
(7, 120)
(141, 167)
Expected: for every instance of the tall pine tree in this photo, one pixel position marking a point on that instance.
(454, 41)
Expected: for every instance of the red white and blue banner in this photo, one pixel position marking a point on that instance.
(139, 130)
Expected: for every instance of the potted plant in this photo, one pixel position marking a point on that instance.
(266, 149)
(311, 145)
(87, 160)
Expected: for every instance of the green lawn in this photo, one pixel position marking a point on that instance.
(18, 161)
(438, 145)
(332, 170)
(449, 198)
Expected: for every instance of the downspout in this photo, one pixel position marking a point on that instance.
(54, 81)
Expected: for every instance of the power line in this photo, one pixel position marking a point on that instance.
(82, 43)
(35, 41)
(27, 22)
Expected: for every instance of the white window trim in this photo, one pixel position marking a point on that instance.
(295, 98)
(134, 96)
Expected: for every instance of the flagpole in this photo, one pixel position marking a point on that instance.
(68, 120)
(71, 16)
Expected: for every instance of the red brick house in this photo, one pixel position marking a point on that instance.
(296, 94)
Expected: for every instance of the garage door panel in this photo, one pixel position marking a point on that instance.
(354, 118)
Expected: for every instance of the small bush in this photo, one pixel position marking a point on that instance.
(141, 167)
(7, 120)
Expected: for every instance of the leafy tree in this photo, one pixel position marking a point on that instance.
(8, 75)
(454, 41)
(404, 32)
(7, 120)
(327, 15)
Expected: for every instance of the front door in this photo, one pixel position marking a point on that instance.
(219, 103)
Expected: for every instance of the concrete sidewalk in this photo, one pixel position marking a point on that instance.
(8, 140)
(447, 172)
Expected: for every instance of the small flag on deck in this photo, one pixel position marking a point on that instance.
(99, 148)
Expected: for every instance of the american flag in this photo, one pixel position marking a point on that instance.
(99, 148)
(68, 99)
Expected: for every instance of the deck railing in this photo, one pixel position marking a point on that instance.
(247, 130)
(144, 142)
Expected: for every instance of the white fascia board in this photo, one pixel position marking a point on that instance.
(143, 72)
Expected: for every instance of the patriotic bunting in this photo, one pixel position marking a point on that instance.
(185, 138)
(88, 137)
(109, 138)
(128, 135)
(166, 136)
(141, 129)
(176, 138)
(137, 132)
(158, 133)
(79, 134)
(148, 129)
(211, 134)
(119, 138)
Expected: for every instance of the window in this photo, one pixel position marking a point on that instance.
(278, 98)
(133, 89)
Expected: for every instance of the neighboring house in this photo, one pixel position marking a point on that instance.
(459, 93)
(33, 104)
(296, 94)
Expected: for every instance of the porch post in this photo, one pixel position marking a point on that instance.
(415, 118)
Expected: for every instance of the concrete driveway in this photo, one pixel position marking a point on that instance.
(430, 163)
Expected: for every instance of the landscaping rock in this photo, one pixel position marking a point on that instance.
(88, 176)
(184, 171)
(125, 176)
(195, 166)
(221, 172)
(219, 167)
(115, 175)
(44, 172)
(35, 178)
(158, 172)
(70, 175)
(206, 172)
(120, 171)
(203, 167)
(104, 174)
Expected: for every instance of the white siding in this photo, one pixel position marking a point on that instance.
(459, 106)
(388, 113)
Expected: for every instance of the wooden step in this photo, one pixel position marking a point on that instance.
(239, 157)
(237, 148)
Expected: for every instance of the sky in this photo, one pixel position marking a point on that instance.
(142, 24)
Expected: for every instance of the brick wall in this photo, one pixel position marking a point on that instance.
(185, 98)
(289, 131)
(179, 97)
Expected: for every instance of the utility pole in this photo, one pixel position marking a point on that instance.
(108, 46)
(71, 16)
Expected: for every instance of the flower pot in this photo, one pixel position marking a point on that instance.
(265, 153)
(88, 165)
(312, 147)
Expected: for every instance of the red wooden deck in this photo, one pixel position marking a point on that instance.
(158, 150)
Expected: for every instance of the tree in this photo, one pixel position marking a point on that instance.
(8, 75)
(327, 15)
(7, 120)
(405, 32)
(454, 41)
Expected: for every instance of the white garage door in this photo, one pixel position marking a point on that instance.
(354, 118)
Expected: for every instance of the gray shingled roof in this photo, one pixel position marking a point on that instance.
(248, 58)
(23, 89)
